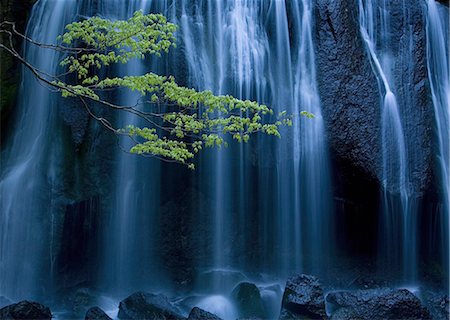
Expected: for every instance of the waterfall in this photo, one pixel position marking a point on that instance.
(439, 77)
(243, 48)
(398, 219)
(30, 187)
(128, 260)
(312, 168)
(263, 196)
(225, 49)
(253, 211)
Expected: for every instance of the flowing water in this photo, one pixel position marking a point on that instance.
(264, 207)
(398, 219)
(31, 166)
(243, 48)
(439, 76)
(128, 256)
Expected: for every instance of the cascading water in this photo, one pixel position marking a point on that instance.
(398, 221)
(439, 76)
(128, 259)
(30, 184)
(259, 211)
(243, 48)
(229, 48)
(312, 168)
(225, 48)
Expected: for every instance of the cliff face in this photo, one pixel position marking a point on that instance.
(348, 88)
(351, 97)
(413, 90)
(351, 102)
(15, 11)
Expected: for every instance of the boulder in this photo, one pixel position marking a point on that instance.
(25, 310)
(95, 313)
(438, 304)
(344, 313)
(351, 96)
(143, 305)
(376, 304)
(303, 298)
(348, 88)
(200, 314)
(248, 300)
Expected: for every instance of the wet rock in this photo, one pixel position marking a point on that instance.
(200, 314)
(25, 310)
(348, 88)
(408, 45)
(78, 250)
(16, 11)
(376, 304)
(248, 300)
(303, 298)
(344, 313)
(351, 97)
(438, 304)
(143, 305)
(95, 313)
(76, 117)
(444, 307)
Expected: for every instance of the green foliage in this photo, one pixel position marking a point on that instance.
(108, 42)
(181, 120)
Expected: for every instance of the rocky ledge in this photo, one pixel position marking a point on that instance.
(304, 297)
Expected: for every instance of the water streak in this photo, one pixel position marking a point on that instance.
(30, 175)
(439, 76)
(398, 226)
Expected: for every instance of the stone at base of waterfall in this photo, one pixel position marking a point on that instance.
(95, 313)
(25, 310)
(248, 300)
(438, 303)
(143, 305)
(200, 314)
(303, 298)
(376, 304)
(344, 313)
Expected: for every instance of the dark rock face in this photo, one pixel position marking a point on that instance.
(76, 116)
(303, 298)
(438, 304)
(176, 244)
(408, 45)
(344, 313)
(95, 313)
(78, 251)
(248, 300)
(15, 11)
(142, 305)
(377, 304)
(25, 310)
(350, 94)
(348, 88)
(199, 314)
